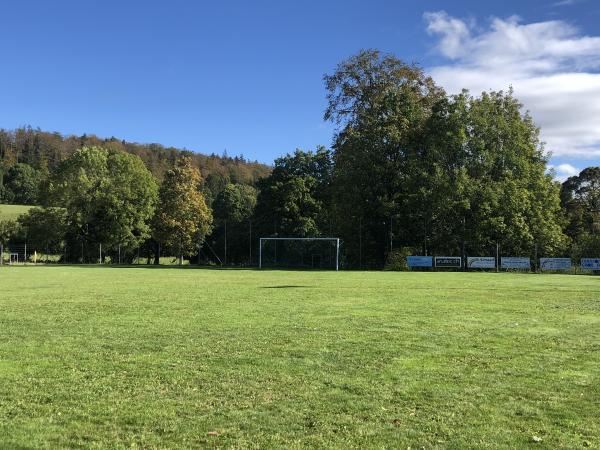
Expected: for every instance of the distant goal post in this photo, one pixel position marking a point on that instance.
(335, 242)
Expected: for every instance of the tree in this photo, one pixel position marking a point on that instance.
(233, 209)
(418, 168)
(381, 105)
(293, 200)
(8, 229)
(580, 198)
(6, 195)
(44, 228)
(235, 203)
(486, 175)
(23, 181)
(109, 198)
(182, 219)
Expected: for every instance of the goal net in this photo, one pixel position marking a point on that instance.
(301, 253)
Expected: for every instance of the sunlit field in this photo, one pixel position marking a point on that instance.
(12, 212)
(102, 357)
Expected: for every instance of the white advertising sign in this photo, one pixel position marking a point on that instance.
(481, 262)
(515, 262)
(555, 263)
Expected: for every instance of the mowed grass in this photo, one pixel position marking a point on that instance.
(101, 357)
(12, 212)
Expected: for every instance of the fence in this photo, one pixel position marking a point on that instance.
(86, 253)
(155, 254)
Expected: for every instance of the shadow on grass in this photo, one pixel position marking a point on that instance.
(286, 286)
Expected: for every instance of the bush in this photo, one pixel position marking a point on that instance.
(8, 230)
(396, 259)
(6, 195)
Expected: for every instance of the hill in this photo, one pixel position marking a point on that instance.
(44, 150)
(11, 212)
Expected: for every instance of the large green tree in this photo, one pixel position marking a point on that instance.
(294, 199)
(44, 229)
(109, 197)
(444, 174)
(483, 169)
(182, 219)
(381, 106)
(233, 209)
(580, 198)
(23, 181)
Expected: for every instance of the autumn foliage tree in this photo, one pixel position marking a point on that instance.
(182, 219)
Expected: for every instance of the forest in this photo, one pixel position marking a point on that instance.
(410, 170)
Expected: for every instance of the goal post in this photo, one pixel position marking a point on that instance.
(334, 242)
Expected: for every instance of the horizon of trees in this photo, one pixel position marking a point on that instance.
(412, 170)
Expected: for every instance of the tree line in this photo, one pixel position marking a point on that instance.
(412, 170)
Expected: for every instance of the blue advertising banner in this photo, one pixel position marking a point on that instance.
(590, 263)
(419, 261)
(555, 263)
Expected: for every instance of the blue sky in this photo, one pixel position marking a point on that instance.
(247, 76)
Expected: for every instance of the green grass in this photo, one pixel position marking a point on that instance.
(12, 212)
(159, 358)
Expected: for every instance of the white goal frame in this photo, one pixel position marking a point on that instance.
(336, 240)
(13, 258)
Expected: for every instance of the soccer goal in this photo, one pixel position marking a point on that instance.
(296, 252)
(13, 259)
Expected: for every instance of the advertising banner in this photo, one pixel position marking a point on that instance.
(590, 263)
(448, 261)
(515, 262)
(419, 261)
(555, 263)
(481, 262)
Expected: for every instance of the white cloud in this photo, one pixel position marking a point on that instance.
(565, 3)
(564, 171)
(551, 66)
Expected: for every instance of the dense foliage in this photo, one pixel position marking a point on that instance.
(411, 170)
(449, 174)
(109, 197)
(233, 212)
(43, 152)
(182, 219)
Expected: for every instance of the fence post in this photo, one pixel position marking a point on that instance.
(100, 262)
(250, 223)
(497, 257)
(1, 254)
(225, 256)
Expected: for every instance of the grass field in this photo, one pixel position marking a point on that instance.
(101, 357)
(12, 212)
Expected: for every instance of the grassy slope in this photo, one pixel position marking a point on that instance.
(113, 357)
(11, 212)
